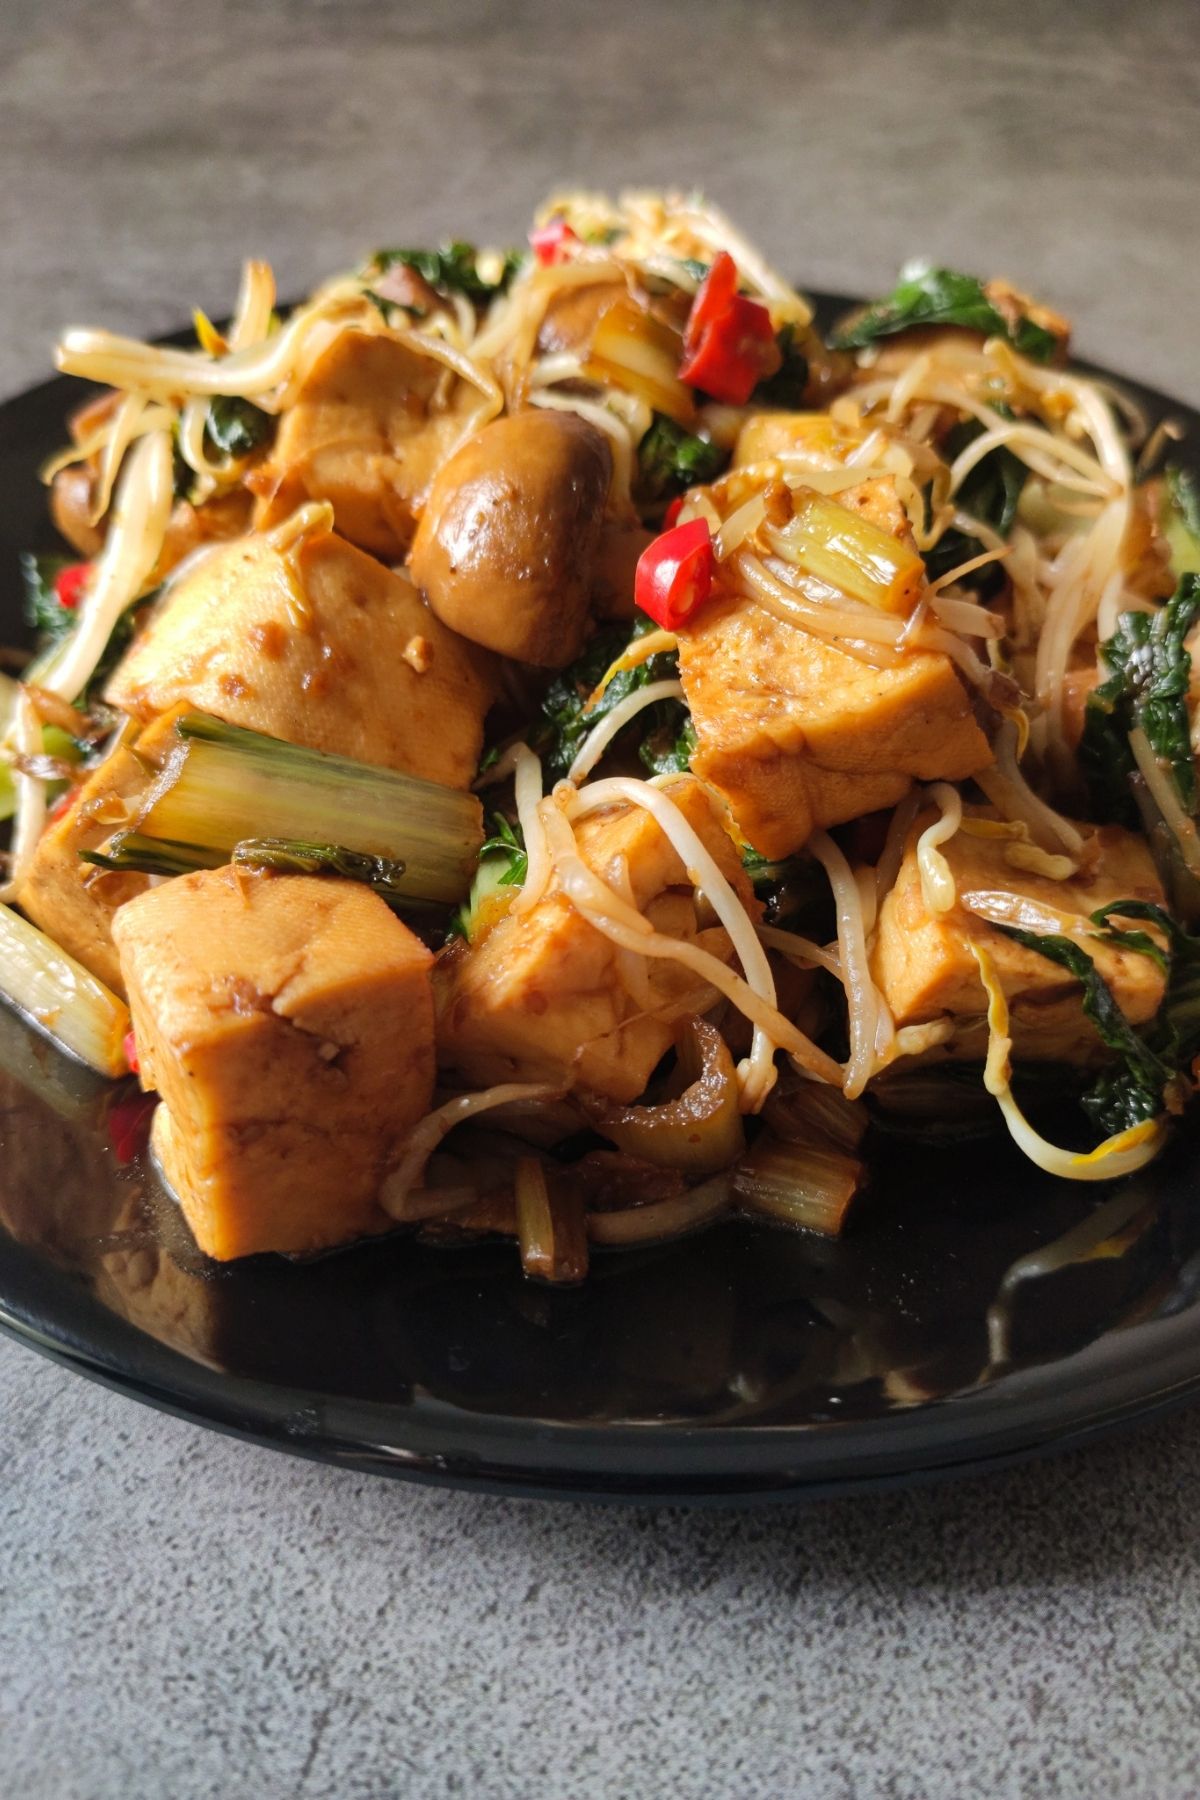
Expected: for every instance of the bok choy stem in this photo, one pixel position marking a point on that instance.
(224, 785)
(60, 997)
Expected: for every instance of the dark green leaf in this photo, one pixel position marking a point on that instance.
(43, 609)
(789, 383)
(508, 842)
(287, 856)
(565, 724)
(183, 475)
(1135, 1092)
(453, 269)
(670, 743)
(794, 892)
(1150, 672)
(54, 622)
(292, 856)
(503, 862)
(671, 460)
(1175, 1031)
(128, 850)
(1177, 938)
(236, 427)
(941, 297)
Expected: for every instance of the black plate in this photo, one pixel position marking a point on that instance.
(743, 1363)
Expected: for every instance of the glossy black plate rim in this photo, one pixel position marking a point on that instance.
(1122, 1378)
(1027, 1413)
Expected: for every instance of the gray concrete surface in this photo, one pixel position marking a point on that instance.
(183, 1616)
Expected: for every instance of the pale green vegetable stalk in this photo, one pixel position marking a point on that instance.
(59, 997)
(797, 1184)
(225, 785)
(551, 1228)
(849, 553)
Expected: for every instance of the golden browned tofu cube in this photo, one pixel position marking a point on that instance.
(318, 644)
(357, 434)
(798, 734)
(287, 1022)
(796, 437)
(71, 901)
(544, 996)
(925, 968)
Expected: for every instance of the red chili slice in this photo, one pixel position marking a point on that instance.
(729, 343)
(675, 573)
(551, 242)
(71, 583)
(129, 1126)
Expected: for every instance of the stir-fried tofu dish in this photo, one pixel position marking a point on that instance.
(551, 743)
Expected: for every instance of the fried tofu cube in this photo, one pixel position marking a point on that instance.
(811, 438)
(544, 996)
(357, 434)
(924, 966)
(797, 734)
(70, 900)
(287, 1023)
(321, 645)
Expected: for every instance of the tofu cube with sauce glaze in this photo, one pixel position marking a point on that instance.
(318, 644)
(798, 734)
(358, 434)
(544, 996)
(924, 966)
(287, 1023)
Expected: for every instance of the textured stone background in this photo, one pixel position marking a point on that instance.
(183, 1616)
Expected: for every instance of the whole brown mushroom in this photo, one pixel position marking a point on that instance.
(507, 548)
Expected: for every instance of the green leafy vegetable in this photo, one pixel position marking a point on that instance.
(291, 856)
(1175, 1032)
(789, 383)
(183, 475)
(43, 608)
(131, 850)
(1137, 1093)
(794, 892)
(503, 863)
(53, 621)
(668, 748)
(1147, 1078)
(236, 427)
(671, 460)
(509, 843)
(454, 269)
(926, 296)
(565, 722)
(1150, 671)
(990, 494)
(286, 856)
